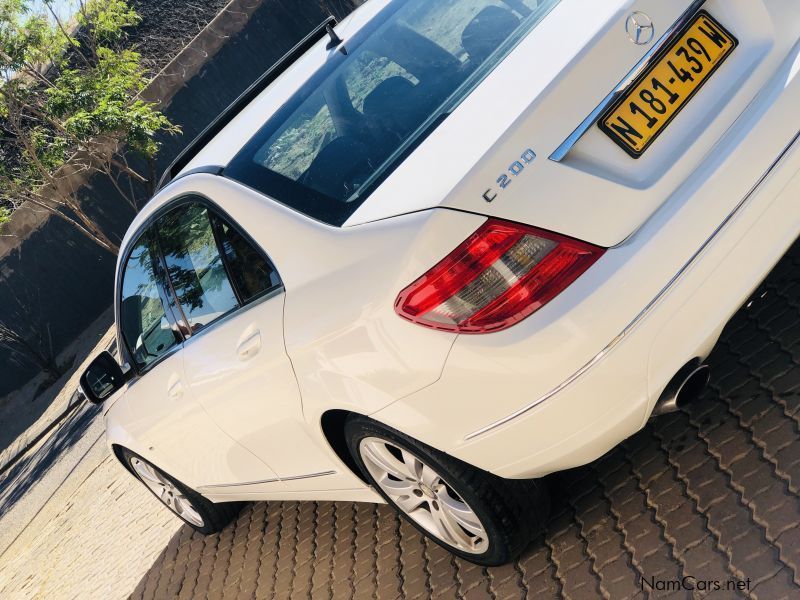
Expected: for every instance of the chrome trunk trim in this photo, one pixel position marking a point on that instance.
(561, 152)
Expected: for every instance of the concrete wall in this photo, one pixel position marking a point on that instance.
(70, 277)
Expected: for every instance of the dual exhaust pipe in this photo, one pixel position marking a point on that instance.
(685, 387)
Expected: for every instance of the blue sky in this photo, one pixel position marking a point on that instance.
(64, 8)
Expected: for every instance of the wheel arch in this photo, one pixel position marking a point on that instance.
(332, 423)
(117, 450)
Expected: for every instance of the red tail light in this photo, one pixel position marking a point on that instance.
(501, 274)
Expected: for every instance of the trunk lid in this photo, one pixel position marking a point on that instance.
(502, 152)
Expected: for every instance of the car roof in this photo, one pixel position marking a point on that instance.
(221, 149)
(227, 143)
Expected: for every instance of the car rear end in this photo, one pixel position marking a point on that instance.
(611, 242)
(688, 228)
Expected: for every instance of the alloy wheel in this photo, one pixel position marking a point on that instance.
(167, 492)
(423, 495)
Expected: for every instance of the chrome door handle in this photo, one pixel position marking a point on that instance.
(175, 391)
(250, 346)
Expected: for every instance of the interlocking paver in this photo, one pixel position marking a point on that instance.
(708, 493)
(68, 553)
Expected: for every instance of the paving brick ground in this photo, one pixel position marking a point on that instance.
(710, 493)
(95, 544)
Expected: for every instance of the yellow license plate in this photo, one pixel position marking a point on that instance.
(652, 101)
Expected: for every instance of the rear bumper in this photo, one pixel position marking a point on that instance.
(629, 379)
(569, 383)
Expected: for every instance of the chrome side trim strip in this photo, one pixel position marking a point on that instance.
(293, 478)
(225, 485)
(561, 152)
(647, 309)
(323, 474)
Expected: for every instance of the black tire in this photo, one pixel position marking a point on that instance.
(512, 512)
(215, 516)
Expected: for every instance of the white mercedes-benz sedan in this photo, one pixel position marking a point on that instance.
(443, 249)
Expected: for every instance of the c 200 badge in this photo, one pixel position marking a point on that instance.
(515, 169)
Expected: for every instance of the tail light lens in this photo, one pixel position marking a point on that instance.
(501, 274)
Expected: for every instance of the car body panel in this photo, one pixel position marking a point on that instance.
(692, 227)
(156, 418)
(239, 372)
(538, 108)
(591, 406)
(347, 346)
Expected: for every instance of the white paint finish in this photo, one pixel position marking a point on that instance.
(255, 398)
(341, 329)
(177, 434)
(249, 396)
(347, 346)
(597, 193)
(612, 400)
(543, 351)
(460, 159)
(343, 347)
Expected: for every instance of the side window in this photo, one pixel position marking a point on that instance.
(143, 318)
(195, 266)
(252, 274)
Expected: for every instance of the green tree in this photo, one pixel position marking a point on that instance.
(70, 106)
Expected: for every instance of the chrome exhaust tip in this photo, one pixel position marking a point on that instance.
(685, 387)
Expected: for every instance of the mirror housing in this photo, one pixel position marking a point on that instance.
(102, 378)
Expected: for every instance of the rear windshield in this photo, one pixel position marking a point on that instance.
(356, 119)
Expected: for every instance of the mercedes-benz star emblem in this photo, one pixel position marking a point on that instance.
(640, 28)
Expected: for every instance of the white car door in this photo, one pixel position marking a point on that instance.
(166, 426)
(235, 360)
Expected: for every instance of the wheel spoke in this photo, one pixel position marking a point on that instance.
(461, 514)
(397, 488)
(417, 490)
(402, 492)
(408, 504)
(448, 528)
(380, 457)
(413, 466)
(185, 509)
(429, 477)
(166, 491)
(146, 471)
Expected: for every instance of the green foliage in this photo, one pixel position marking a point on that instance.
(101, 102)
(5, 214)
(26, 38)
(107, 19)
(67, 89)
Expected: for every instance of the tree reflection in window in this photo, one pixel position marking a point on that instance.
(252, 273)
(143, 318)
(194, 265)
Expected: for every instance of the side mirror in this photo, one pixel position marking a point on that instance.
(102, 378)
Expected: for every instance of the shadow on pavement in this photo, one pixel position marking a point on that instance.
(29, 469)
